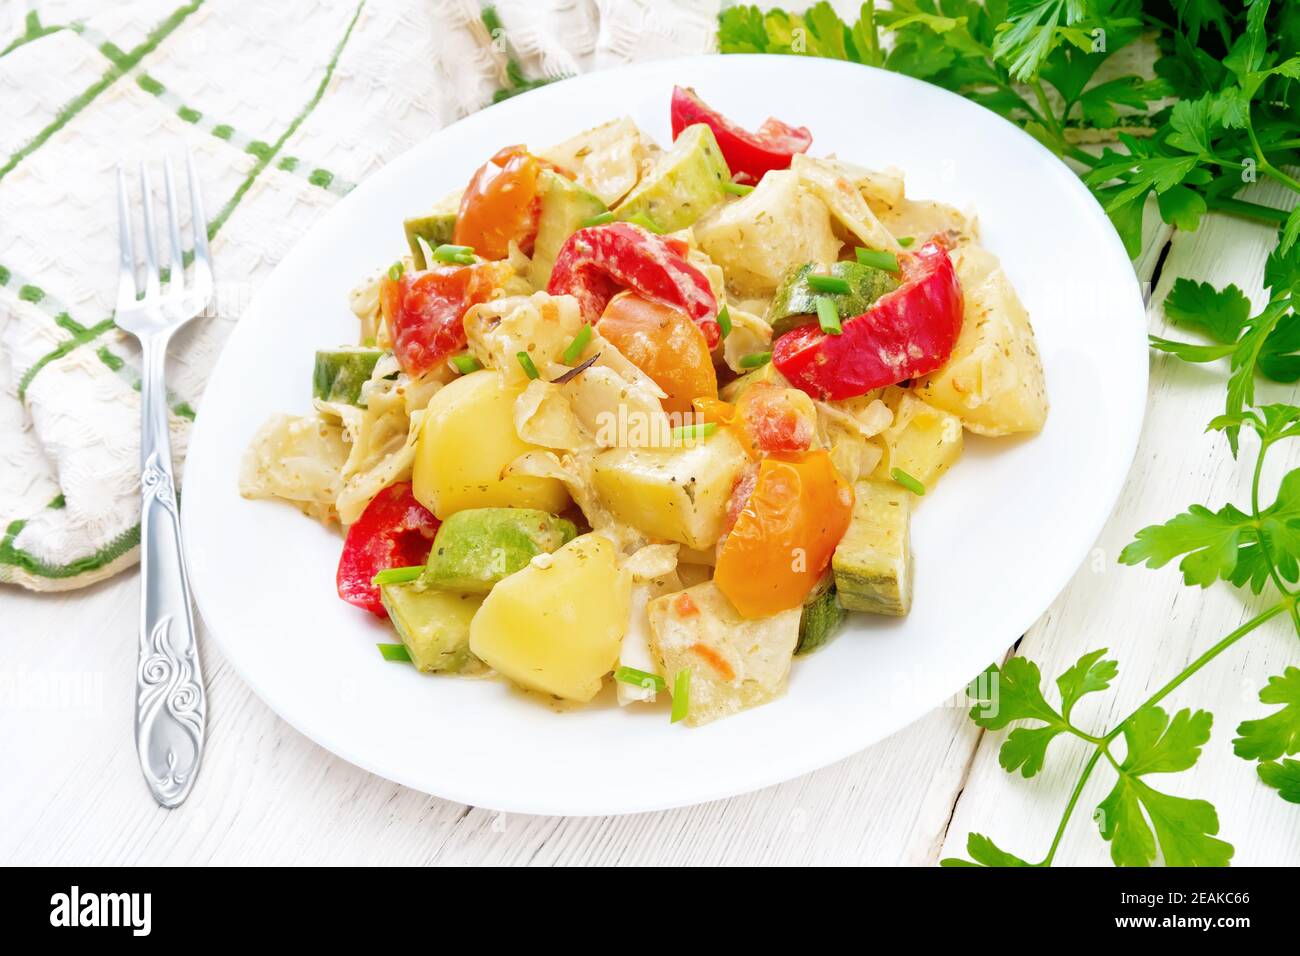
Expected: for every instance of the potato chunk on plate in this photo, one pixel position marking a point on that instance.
(556, 625)
(735, 663)
(994, 380)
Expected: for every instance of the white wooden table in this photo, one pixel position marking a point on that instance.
(71, 793)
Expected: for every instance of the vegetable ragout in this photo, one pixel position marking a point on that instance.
(655, 413)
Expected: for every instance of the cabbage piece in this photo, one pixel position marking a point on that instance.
(827, 181)
(607, 160)
(298, 458)
(759, 237)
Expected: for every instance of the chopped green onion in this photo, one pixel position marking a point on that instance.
(466, 363)
(681, 694)
(906, 241)
(737, 189)
(630, 675)
(724, 321)
(599, 219)
(642, 220)
(757, 360)
(578, 345)
(397, 575)
(820, 283)
(394, 652)
(701, 430)
(529, 368)
(907, 481)
(460, 255)
(395, 271)
(828, 317)
(877, 259)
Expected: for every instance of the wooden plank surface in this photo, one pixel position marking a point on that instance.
(1152, 623)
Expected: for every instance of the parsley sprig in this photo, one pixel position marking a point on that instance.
(1257, 549)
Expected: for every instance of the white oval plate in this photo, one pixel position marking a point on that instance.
(994, 543)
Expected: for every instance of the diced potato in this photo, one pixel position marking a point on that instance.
(758, 238)
(679, 494)
(467, 439)
(873, 562)
(994, 379)
(735, 663)
(923, 441)
(556, 625)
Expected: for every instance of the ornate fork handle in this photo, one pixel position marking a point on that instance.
(170, 703)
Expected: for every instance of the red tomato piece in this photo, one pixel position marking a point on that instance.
(748, 155)
(596, 263)
(424, 310)
(395, 531)
(905, 334)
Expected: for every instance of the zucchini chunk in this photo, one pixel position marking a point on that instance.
(433, 625)
(565, 207)
(435, 229)
(873, 563)
(795, 302)
(821, 618)
(686, 182)
(340, 373)
(475, 549)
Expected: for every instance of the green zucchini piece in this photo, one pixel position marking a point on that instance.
(821, 618)
(435, 229)
(340, 373)
(873, 562)
(565, 207)
(476, 548)
(795, 301)
(433, 625)
(686, 182)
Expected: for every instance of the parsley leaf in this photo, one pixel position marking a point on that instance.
(1283, 776)
(1014, 692)
(984, 852)
(1184, 829)
(1208, 541)
(1088, 675)
(1279, 733)
(1219, 313)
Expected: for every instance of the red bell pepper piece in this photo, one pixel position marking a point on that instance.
(906, 333)
(596, 263)
(749, 155)
(395, 531)
(424, 310)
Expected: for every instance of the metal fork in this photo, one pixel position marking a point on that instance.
(170, 703)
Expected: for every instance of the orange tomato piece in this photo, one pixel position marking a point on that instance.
(785, 535)
(767, 419)
(501, 202)
(663, 342)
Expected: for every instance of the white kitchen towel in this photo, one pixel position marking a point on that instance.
(284, 107)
